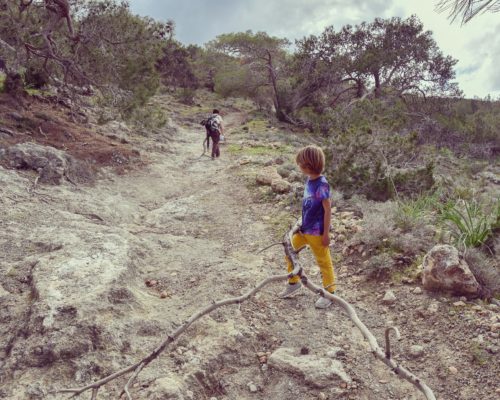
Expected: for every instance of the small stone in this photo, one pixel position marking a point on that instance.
(495, 327)
(463, 298)
(192, 280)
(263, 359)
(389, 298)
(453, 370)
(492, 349)
(264, 367)
(252, 388)
(151, 282)
(418, 290)
(266, 218)
(322, 396)
(383, 381)
(343, 385)
(335, 352)
(433, 308)
(163, 295)
(459, 304)
(416, 351)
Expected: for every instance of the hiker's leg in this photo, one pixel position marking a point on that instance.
(324, 260)
(298, 242)
(215, 144)
(208, 139)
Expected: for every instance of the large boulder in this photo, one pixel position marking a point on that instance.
(281, 186)
(267, 175)
(445, 270)
(52, 164)
(317, 371)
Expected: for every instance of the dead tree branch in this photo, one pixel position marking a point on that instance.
(351, 312)
(136, 368)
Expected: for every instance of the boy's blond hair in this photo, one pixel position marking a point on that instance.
(312, 158)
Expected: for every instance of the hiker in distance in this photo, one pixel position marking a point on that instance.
(316, 217)
(215, 128)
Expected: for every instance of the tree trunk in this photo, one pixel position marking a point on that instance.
(14, 85)
(378, 91)
(360, 90)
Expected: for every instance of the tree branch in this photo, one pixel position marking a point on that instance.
(297, 271)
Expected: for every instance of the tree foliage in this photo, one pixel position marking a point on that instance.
(386, 55)
(467, 9)
(98, 43)
(262, 60)
(175, 66)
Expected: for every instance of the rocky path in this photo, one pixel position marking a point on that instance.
(93, 278)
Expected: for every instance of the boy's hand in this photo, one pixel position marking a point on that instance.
(325, 239)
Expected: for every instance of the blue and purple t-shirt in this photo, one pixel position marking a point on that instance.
(313, 212)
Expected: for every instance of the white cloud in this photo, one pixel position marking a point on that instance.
(476, 45)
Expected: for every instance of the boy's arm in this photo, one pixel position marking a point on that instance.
(326, 222)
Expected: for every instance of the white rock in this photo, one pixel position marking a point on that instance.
(252, 388)
(418, 290)
(389, 297)
(317, 371)
(433, 307)
(416, 351)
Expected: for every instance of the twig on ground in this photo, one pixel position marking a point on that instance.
(297, 271)
(388, 341)
(42, 132)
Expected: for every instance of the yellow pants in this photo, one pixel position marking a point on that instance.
(322, 255)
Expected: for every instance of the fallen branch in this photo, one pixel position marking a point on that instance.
(136, 368)
(376, 351)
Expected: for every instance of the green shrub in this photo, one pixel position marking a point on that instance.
(2, 82)
(411, 212)
(471, 226)
(376, 165)
(186, 96)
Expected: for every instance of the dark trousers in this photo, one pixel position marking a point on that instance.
(215, 143)
(208, 138)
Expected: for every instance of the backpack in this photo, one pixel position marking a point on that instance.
(212, 124)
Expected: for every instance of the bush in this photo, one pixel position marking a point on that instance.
(377, 166)
(470, 225)
(186, 96)
(2, 82)
(485, 269)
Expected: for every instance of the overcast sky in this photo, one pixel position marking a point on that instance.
(476, 45)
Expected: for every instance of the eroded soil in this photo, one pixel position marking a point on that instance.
(94, 277)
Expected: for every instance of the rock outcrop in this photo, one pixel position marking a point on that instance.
(317, 371)
(52, 164)
(445, 270)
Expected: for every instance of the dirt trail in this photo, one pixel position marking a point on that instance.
(76, 305)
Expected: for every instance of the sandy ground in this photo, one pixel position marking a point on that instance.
(75, 304)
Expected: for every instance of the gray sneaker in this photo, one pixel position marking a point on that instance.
(290, 290)
(322, 302)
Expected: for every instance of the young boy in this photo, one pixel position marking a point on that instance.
(316, 216)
